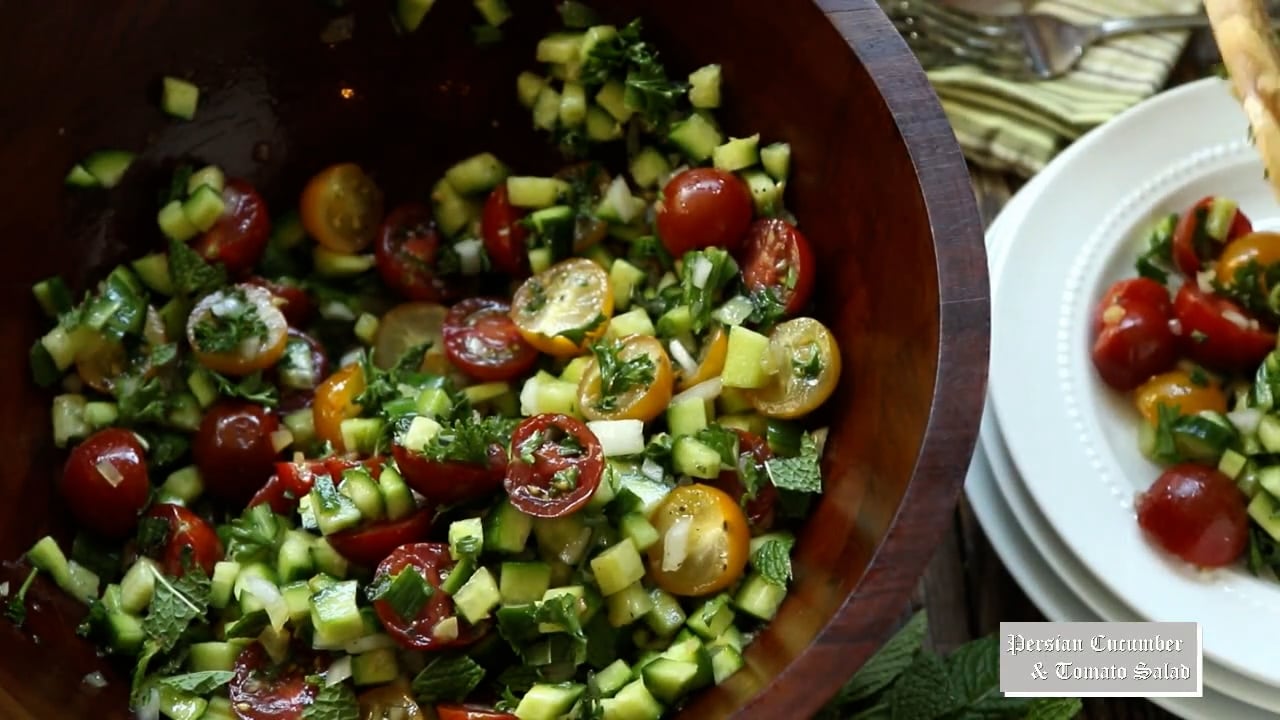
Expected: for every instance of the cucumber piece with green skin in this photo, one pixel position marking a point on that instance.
(80, 177)
(82, 583)
(712, 619)
(173, 222)
(637, 528)
(629, 605)
(632, 702)
(696, 136)
(111, 597)
(1220, 217)
(477, 598)
(375, 667)
(669, 680)
(544, 701)
(332, 264)
(209, 656)
(177, 705)
(506, 529)
(563, 48)
(124, 632)
(523, 582)
(108, 167)
(294, 561)
(1269, 479)
(624, 278)
(1263, 510)
(477, 174)
(704, 87)
(528, 85)
(564, 538)
(618, 567)
(219, 709)
(744, 365)
(68, 419)
(759, 597)
(410, 13)
(648, 167)
(731, 637)
(179, 98)
(340, 514)
(667, 616)
(1232, 464)
(452, 211)
(691, 649)
(328, 560)
(1205, 436)
(184, 484)
(153, 271)
(765, 193)
(776, 159)
(573, 105)
(676, 321)
(101, 415)
(210, 175)
(222, 583)
(535, 192)
(397, 499)
(687, 417)
(363, 491)
(1269, 433)
(249, 602)
(608, 681)
(540, 259)
(737, 153)
(204, 207)
(297, 596)
(334, 613)
(546, 109)
(695, 459)
(466, 537)
(601, 126)
(633, 322)
(612, 97)
(49, 558)
(725, 661)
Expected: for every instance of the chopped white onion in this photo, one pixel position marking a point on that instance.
(149, 709)
(226, 305)
(1236, 319)
(675, 547)
(351, 357)
(709, 390)
(1246, 420)
(109, 473)
(339, 671)
(446, 629)
(701, 271)
(1204, 280)
(1175, 326)
(681, 355)
(95, 680)
(652, 470)
(377, 641)
(470, 259)
(269, 595)
(281, 439)
(618, 437)
(335, 310)
(4, 588)
(734, 311)
(820, 439)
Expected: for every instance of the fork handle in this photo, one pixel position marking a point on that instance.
(1150, 23)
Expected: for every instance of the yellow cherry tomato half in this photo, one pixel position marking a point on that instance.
(710, 360)
(1258, 248)
(237, 330)
(407, 326)
(627, 380)
(99, 361)
(342, 208)
(563, 308)
(335, 401)
(703, 541)
(390, 701)
(805, 361)
(1177, 388)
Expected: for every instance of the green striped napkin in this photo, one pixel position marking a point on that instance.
(1018, 127)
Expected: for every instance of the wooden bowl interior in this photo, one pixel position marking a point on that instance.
(272, 111)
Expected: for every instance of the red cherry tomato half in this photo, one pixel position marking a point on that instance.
(555, 467)
(759, 510)
(1218, 333)
(1196, 513)
(407, 250)
(260, 691)
(703, 207)
(239, 237)
(482, 340)
(105, 482)
(1192, 246)
(504, 236)
(778, 258)
(1132, 336)
(471, 712)
(187, 530)
(233, 449)
(295, 303)
(433, 561)
(370, 544)
(450, 482)
(300, 370)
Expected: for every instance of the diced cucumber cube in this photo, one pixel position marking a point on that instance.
(173, 222)
(212, 656)
(776, 159)
(609, 680)
(177, 705)
(601, 126)
(737, 153)
(629, 605)
(712, 619)
(294, 561)
(759, 597)
(108, 166)
(704, 87)
(548, 702)
(477, 597)
(725, 661)
(99, 415)
(495, 12)
(687, 416)
(564, 538)
(523, 582)
(410, 13)
(363, 491)
(204, 207)
(638, 529)
(334, 612)
(667, 616)
(695, 459)
(375, 667)
(184, 484)
(224, 577)
(466, 538)
(563, 48)
(618, 567)
(210, 175)
(633, 702)
(153, 271)
(535, 192)
(397, 499)
(546, 108)
(528, 85)
(648, 167)
(573, 105)
(179, 98)
(78, 176)
(765, 193)
(477, 174)
(696, 136)
(745, 365)
(506, 529)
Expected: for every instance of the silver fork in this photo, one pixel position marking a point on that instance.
(1020, 46)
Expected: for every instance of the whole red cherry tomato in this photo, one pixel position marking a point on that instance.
(703, 207)
(105, 482)
(1196, 513)
(1132, 336)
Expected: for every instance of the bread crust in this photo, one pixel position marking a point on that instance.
(1247, 43)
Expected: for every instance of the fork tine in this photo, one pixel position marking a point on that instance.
(943, 30)
(991, 26)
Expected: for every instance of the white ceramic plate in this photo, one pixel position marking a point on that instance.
(1042, 565)
(1076, 444)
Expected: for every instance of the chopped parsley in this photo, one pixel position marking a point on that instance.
(468, 439)
(722, 440)
(381, 385)
(579, 334)
(530, 446)
(407, 593)
(252, 387)
(703, 293)
(802, 473)
(619, 376)
(566, 480)
(1199, 377)
(807, 362)
(1157, 261)
(1165, 449)
(16, 608)
(252, 536)
(332, 702)
(537, 297)
(227, 331)
(635, 62)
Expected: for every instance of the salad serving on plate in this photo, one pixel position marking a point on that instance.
(532, 447)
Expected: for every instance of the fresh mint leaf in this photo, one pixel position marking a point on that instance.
(773, 560)
(333, 702)
(973, 670)
(164, 447)
(175, 604)
(447, 679)
(1054, 709)
(619, 376)
(888, 663)
(923, 691)
(198, 683)
(192, 275)
(802, 473)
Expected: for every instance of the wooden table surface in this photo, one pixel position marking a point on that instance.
(967, 589)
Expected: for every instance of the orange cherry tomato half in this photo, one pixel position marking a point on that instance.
(561, 309)
(703, 541)
(223, 316)
(1259, 248)
(342, 208)
(604, 396)
(1176, 389)
(335, 401)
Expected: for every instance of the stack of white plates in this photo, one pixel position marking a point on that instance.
(1058, 467)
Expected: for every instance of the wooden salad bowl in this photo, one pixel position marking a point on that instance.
(879, 186)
